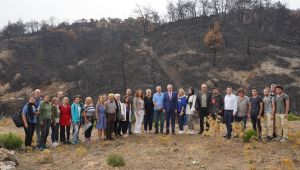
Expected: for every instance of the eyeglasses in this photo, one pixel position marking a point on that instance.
(241, 92)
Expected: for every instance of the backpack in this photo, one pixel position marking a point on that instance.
(18, 120)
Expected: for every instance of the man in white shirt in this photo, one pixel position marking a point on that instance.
(230, 109)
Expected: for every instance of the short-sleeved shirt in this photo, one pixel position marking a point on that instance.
(255, 105)
(280, 103)
(25, 112)
(158, 98)
(268, 100)
(242, 106)
(110, 106)
(90, 110)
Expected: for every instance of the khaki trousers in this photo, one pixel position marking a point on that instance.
(281, 124)
(267, 125)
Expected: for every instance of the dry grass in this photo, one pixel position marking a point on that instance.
(287, 163)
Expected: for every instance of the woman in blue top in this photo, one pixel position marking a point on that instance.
(29, 116)
(181, 104)
(100, 116)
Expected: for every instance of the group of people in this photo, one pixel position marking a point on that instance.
(112, 114)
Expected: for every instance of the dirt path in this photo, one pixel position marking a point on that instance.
(165, 152)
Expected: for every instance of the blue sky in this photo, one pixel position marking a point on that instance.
(70, 10)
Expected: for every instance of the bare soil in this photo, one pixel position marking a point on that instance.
(150, 151)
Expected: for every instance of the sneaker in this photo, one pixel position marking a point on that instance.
(125, 136)
(278, 138)
(193, 132)
(40, 149)
(181, 132)
(156, 132)
(283, 140)
(55, 144)
(269, 138)
(145, 132)
(200, 132)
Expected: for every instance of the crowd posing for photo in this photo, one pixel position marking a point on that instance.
(112, 115)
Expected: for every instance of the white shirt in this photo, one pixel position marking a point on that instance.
(230, 102)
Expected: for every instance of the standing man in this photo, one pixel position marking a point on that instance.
(170, 108)
(272, 94)
(60, 96)
(202, 106)
(256, 108)
(230, 109)
(282, 103)
(268, 116)
(243, 107)
(158, 99)
(130, 100)
(119, 117)
(38, 100)
(111, 110)
(216, 103)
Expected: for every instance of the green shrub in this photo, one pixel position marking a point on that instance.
(293, 117)
(115, 160)
(248, 135)
(10, 141)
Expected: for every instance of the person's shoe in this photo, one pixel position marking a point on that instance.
(192, 132)
(145, 132)
(283, 140)
(40, 149)
(55, 144)
(46, 147)
(125, 136)
(156, 132)
(269, 138)
(181, 132)
(225, 136)
(278, 138)
(167, 132)
(130, 133)
(228, 137)
(173, 132)
(161, 131)
(200, 132)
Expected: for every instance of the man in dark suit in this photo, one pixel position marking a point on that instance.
(170, 108)
(202, 106)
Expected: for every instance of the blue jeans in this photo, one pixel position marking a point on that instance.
(228, 116)
(159, 117)
(242, 119)
(170, 116)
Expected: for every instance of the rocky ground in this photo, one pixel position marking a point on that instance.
(150, 151)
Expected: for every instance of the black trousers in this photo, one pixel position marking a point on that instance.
(45, 131)
(117, 127)
(110, 121)
(29, 134)
(88, 132)
(54, 132)
(202, 114)
(63, 130)
(124, 126)
(256, 124)
(148, 121)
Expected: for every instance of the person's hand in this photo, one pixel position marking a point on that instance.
(164, 110)
(86, 121)
(26, 125)
(181, 113)
(259, 116)
(41, 122)
(248, 116)
(234, 114)
(175, 110)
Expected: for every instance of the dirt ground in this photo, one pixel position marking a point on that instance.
(150, 151)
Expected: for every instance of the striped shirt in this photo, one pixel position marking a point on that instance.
(90, 110)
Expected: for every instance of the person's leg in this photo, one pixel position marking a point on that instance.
(264, 121)
(259, 127)
(150, 121)
(173, 122)
(124, 127)
(68, 129)
(206, 118)
(146, 120)
(52, 132)
(230, 120)
(269, 125)
(63, 133)
(179, 121)
(284, 125)
(254, 120)
(278, 125)
(57, 132)
(107, 126)
(226, 121)
(244, 119)
(168, 122)
(75, 131)
(156, 120)
(43, 135)
(26, 130)
(38, 133)
(162, 121)
(201, 118)
(48, 122)
(141, 120)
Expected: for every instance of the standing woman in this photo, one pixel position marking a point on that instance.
(65, 121)
(100, 117)
(45, 121)
(181, 106)
(89, 117)
(75, 115)
(138, 109)
(29, 116)
(190, 109)
(126, 112)
(149, 111)
(55, 121)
